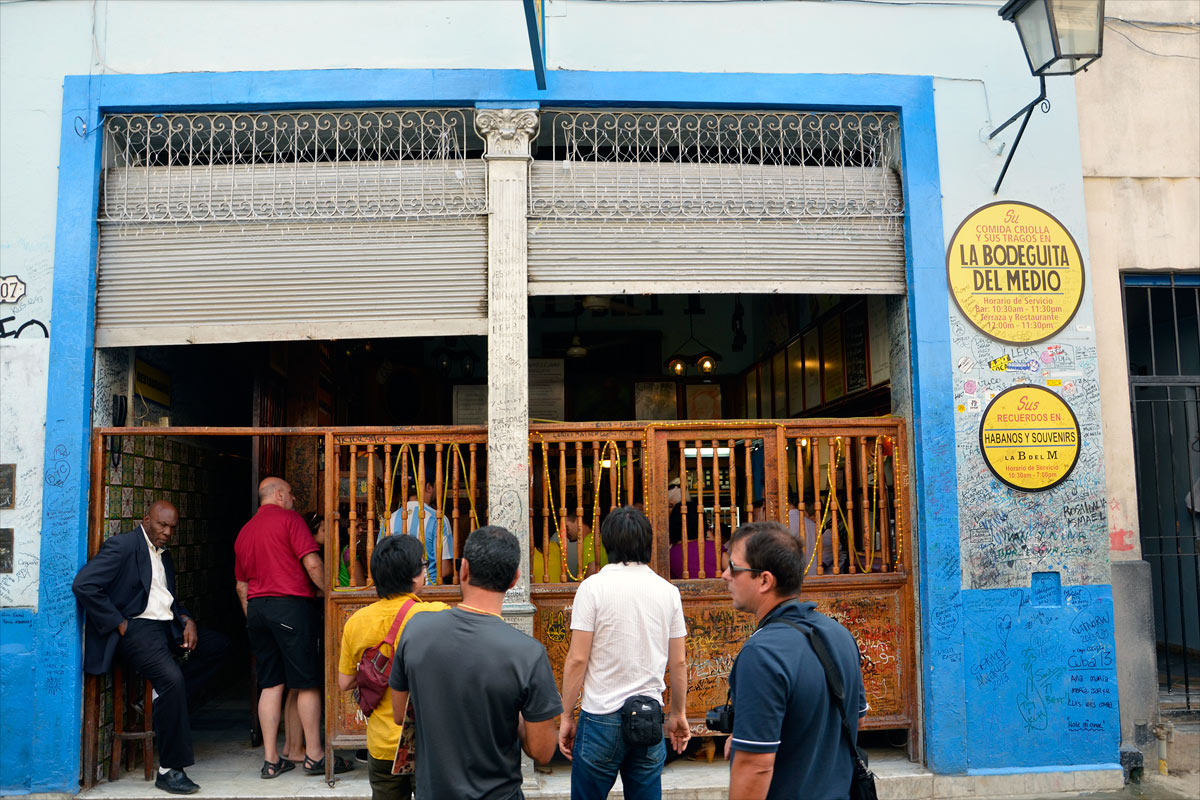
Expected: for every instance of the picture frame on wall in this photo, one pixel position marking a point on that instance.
(764, 390)
(812, 368)
(833, 359)
(779, 406)
(703, 401)
(795, 359)
(752, 393)
(879, 341)
(656, 400)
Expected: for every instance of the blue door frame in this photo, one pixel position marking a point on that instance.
(54, 646)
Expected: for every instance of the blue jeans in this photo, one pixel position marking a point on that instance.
(600, 753)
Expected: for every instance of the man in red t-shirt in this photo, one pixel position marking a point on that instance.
(279, 575)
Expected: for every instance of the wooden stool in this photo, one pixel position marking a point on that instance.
(146, 734)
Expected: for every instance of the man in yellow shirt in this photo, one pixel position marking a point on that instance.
(398, 568)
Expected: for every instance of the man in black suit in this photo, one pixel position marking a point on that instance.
(128, 594)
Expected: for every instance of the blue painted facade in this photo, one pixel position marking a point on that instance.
(1000, 667)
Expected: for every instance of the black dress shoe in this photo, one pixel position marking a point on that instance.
(176, 781)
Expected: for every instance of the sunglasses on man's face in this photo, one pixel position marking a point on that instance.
(735, 569)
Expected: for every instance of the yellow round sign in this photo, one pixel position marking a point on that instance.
(1015, 272)
(1029, 437)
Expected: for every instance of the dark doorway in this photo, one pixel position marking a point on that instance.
(1163, 343)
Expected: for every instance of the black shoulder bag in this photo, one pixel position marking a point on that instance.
(862, 782)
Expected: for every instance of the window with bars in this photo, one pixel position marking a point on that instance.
(1162, 312)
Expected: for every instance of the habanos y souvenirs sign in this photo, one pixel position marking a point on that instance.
(1015, 272)
(1029, 438)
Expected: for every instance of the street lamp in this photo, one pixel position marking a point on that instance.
(1060, 37)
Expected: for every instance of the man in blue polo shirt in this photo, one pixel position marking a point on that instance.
(787, 737)
(422, 522)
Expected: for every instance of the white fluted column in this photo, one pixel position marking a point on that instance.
(508, 133)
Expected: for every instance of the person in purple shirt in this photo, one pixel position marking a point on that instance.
(699, 540)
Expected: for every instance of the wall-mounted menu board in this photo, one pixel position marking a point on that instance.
(812, 369)
(833, 358)
(856, 350)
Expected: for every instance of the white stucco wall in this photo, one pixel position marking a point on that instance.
(975, 57)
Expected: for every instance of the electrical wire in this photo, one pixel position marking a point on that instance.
(1152, 52)
(1150, 25)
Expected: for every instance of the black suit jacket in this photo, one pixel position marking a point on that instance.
(115, 586)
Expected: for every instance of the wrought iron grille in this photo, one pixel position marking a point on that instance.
(711, 164)
(1163, 341)
(259, 166)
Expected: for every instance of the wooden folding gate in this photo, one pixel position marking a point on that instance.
(848, 477)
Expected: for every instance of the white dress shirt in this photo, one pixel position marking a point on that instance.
(158, 604)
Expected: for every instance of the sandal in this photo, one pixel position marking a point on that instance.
(281, 766)
(340, 765)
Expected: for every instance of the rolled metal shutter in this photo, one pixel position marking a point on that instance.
(389, 259)
(725, 235)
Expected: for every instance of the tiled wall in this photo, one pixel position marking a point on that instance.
(190, 476)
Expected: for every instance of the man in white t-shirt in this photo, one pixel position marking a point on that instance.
(626, 628)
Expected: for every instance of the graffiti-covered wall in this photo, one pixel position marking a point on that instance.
(1037, 605)
(1030, 472)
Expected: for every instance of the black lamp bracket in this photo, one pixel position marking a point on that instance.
(1028, 112)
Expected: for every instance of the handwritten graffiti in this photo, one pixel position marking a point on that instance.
(59, 468)
(556, 627)
(1032, 707)
(16, 334)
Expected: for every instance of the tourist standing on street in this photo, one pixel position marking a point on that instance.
(787, 737)
(398, 569)
(279, 575)
(482, 691)
(626, 628)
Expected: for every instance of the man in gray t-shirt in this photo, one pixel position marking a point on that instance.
(481, 689)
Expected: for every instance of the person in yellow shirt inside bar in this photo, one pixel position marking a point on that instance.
(580, 538)
(398, 567)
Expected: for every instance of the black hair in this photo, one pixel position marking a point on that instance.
(417, 482)
(627, 536)
(770, 547)
(313, 520)
(395, 563)
(494, 555)
(675, 521)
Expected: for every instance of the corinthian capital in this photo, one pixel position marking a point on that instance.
(507, 130)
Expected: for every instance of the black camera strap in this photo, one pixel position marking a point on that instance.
(833, 677)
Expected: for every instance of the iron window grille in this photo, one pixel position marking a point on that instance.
(379, 164)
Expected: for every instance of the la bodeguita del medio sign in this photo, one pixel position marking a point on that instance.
(1015, 273)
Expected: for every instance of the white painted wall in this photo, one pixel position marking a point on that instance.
(23, 369)
(1139, 118)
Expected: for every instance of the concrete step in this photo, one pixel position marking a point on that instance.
(230, 770)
